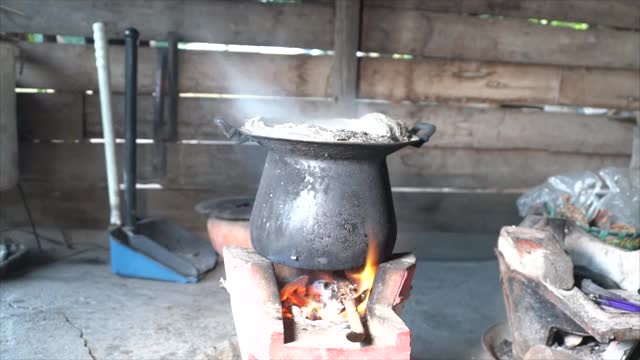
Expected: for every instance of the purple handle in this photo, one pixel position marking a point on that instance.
(618, 304)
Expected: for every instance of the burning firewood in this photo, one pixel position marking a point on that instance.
(293, 294)
(325, 298)
(296, 285)
(348, 293)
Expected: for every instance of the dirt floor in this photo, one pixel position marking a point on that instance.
(68, 305)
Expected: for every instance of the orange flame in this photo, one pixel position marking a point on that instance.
(296, 292)
(364, 277)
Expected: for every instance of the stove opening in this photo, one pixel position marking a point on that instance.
(327, 295)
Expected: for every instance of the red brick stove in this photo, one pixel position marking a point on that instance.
(323, 205)
(263, 332)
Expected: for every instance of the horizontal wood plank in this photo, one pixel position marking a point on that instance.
(386, 30)
(192, 166)
(229, 166)
(306, 25)
(585, 86)
(613, 13)
(458, 127)
(506, 40)
(87, 207)
(196, 115)
(50, 116)
(214, 166)
(75, 163)
(505, 129)
(55, 206)
(70, 68)
(443, 80)
(501, 169)
(455, 212)
(414, 211)
(93, 116)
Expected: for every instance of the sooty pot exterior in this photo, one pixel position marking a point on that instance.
(321, 204)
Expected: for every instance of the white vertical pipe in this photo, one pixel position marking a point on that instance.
(104, 84)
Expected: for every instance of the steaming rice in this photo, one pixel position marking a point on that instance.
(373, 127)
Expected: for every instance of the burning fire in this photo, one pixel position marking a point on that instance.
(364, 277)
(315, 296)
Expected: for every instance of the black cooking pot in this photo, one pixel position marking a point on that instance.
(320, 204)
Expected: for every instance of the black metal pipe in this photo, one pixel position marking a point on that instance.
(172, 87)
(131, 74)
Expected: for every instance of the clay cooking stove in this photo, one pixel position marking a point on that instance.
(286, 313)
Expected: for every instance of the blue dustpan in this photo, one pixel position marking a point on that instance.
(160, 250)
(148, 249)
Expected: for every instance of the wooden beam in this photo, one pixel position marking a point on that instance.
(467, 81)
(228, 22)
(70, 68)
(612, 13)
(446, 36)
(346, 44)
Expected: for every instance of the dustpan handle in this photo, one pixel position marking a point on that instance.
(130, 109)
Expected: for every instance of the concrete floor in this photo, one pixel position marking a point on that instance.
(71, 307)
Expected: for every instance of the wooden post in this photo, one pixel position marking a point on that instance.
(9, 173)
(159, 161)
(345, 44)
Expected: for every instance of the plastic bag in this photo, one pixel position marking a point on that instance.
(616, 190)
(623, 198)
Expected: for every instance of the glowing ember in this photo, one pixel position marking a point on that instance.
(315, 296)
(314, 301)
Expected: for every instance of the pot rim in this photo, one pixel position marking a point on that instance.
(414, 140)
(420, 135)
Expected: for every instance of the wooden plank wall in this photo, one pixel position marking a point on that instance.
(466, 179)
(310, 76)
